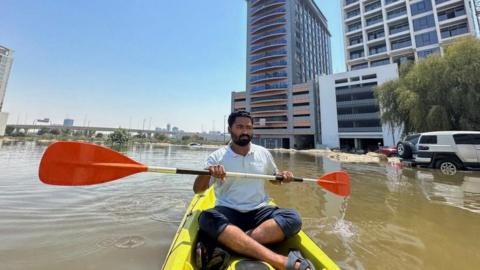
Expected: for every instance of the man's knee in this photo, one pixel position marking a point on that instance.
(212, 222)
(289, 221)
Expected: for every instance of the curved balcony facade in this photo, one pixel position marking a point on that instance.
(274, 86)
(268, 55)
(268, 66)
(269, 14)
(269, 44)
(269, 34)
(268, 76)
(268, 25)
(267, 4)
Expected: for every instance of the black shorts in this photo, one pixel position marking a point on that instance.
(213, 221)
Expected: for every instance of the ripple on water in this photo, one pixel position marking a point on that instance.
(130, 241)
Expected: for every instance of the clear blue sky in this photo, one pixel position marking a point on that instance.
(115, 63)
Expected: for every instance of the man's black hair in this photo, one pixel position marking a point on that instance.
(234, 115)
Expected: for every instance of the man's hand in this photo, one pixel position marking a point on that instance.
(217, 171)
(287, 176)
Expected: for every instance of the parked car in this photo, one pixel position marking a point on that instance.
(445, 150)
(389, 151)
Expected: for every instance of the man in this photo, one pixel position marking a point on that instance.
(241, 219)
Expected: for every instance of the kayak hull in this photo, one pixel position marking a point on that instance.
(181, 252)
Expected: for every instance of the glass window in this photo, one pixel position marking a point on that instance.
(359, 66)
(454, 30)
(421, 7)
(466, 138)
(426, 39)
(426, 53)
(428, 139)
(424, 22)
(399, 28)
(380, 62)
(401, 43)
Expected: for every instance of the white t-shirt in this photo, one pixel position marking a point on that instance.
(242, 194)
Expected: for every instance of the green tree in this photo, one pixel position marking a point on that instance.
(437, 93)
(9, 130)
(42, 131)
(160, 137)
(55, 132)
(119, 136)
(99, 135)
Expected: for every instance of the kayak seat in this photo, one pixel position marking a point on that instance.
(295, 256)
(251, 265)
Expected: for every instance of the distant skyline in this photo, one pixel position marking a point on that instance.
(121, 63)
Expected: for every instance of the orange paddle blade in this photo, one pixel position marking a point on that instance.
(337, 182)
(79, 164)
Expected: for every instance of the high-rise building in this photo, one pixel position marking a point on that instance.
(5, 66)
(380, 32)
(68, 122)
(288, 47)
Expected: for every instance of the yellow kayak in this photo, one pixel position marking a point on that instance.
(181, 253)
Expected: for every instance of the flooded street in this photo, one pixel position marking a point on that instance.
(395, 218)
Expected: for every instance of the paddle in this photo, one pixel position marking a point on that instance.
(81, 164)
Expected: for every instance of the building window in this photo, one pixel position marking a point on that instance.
(425, 53)
(376, 34)
(401, 43)
(454, 30)
(354, 26)
(396, 13)
(375, 19)
(421, 7)
(355, 40)
(399, 28)
(380, 62)
(370, 76)
(356, 54)
(341, 81)
(359, 66)
(377, 49)
(451, 13)
(424, 22)
(426, 39)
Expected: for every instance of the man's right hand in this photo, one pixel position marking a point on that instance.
(218, 171)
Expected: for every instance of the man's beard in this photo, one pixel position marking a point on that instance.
(242, 140)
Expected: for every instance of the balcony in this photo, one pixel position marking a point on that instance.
(268, 55)
(269, 34)
(268, 24)
(268, 66)
(359, 116)
(268, 77)
(395, 14)
(451, 14)
(274, 12)
(372, 7)
(274, 43)
(350, 2)
(270, 98)
(275, 86)
(266, 5)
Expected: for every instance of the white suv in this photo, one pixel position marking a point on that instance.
(446, 150)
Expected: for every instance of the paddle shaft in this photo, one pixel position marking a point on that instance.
(228, 174)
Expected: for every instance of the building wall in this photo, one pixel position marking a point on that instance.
(380, 32)
(347, 99)
(5, 66)
(3, 122)
(288, 44)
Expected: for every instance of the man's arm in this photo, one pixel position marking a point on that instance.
(202, 181)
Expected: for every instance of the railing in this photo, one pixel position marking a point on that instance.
(268, 23)
(348, 2)
(260, 36)
(266, 4)
(266, 54)
(270, 43)
(396, 13)
(268, 75)
(270, 64)
(268, 98)
(270, 13)
(269, 87)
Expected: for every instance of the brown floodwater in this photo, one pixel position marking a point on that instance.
(395, 218)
